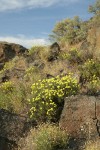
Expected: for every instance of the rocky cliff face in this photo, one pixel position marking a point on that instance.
(9, 51)
(81, 116)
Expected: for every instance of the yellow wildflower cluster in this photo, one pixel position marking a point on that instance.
(7, 86)
(89, 62)
(48, 93)
(95, 81)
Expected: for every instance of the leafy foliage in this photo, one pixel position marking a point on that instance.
(74, 56)
(95, 8)
(70, 30)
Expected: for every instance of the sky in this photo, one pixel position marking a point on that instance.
(30, 22)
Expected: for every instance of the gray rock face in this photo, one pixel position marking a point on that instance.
(81, 116)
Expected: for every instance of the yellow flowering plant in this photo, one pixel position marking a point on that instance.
(7, 86)
(49, 94)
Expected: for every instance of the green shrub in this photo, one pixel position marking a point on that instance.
(70, 30)
(9, 65)
(90, 69)
(29, 73)
(36, 49)
(33, 74)
(90, 77)
(74, 56)
(64, 55)
(38, 53)
(93, 87)
(51, 137)
(6, 89)
(4, 101)
(48, 94)
(12, 97)
(95, 8)
(46, 137)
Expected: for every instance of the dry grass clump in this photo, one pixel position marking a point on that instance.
(45, 137)
(93, 145)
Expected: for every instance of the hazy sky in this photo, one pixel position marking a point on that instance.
(29, 22)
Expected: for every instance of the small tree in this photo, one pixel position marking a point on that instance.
(70, 30)
(95, 9)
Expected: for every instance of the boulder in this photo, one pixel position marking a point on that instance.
(54, 51)
(9, 51)
(81, 116)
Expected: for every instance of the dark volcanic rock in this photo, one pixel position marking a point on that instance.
(81, 116)
(6, 144)
(12, 128)
(54, 51)
(10, 50)
(11, 125)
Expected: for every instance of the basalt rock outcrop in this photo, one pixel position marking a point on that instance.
(12, 128)
(81, 116)
(9, 51)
